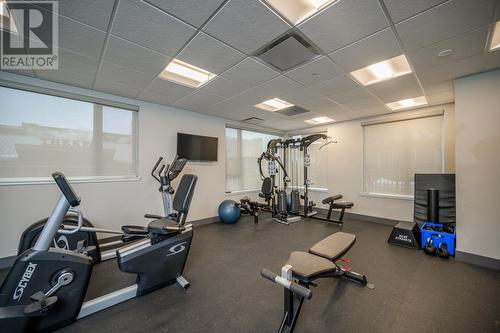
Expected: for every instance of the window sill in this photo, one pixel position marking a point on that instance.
(255, 190)
(311, 189)
(73, 180)
(387, 196)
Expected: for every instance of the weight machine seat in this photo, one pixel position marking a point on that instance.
(337, 205)
(331, 199)
(334, 246)
(306, 266)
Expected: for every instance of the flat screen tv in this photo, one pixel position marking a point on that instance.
(196, 147)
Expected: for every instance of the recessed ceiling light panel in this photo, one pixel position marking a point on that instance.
(297, 11)
(407, 103)
(274, 104)
(495, 39)
(381, 71)
(319, 120)
(186, 74)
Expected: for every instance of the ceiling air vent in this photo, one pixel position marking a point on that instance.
(287, 52)
(253, 120)
(292, 111)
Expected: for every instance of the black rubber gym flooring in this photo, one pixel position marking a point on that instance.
(414, 292)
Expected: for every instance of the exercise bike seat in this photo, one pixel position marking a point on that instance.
(135, 230)
(164, 226)
(307, 267)
(334, 246)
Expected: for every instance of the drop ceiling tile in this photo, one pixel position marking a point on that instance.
(491, 60)
(223, 87)
(67, 77)
(315, 72)
(200, 98)
(117, 89)
(189, 105)
(301, 96)
(322, 106)
(208, 53)
(444, 21)
(164, 92)
(276, 87)
(363, 113)
(463, 46)
(123, 53)
(228, 106)
(78, 63)
(145, 25)
(80, 38)
(403, 9)
(125, 76)
(436, 87)
(452, 70)
(91, 12)
(360, 103)
(250, 72)
(402, 87)
(246, 25)
(335, 86)
(195, 12)
(372, 49)
(344, 22)
(441, 97)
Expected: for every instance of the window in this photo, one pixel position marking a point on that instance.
(395, 151)
(318, 170)
(40, 134)
(242, 150)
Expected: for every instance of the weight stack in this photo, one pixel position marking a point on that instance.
(406, 234)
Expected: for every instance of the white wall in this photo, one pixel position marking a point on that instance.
(477, 155)
(112, 204)
(345, 168)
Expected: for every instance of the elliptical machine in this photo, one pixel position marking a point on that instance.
(45, 288)
(101, 250)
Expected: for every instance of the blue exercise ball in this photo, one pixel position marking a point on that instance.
(229, 212)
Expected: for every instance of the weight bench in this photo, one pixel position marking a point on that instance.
(333, 204)
(303, 268)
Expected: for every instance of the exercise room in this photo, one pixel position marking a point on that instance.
(257, 166)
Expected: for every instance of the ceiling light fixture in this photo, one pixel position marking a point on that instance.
(407, 103)
(297, 11)
(186, 74)
(319, 120)
(274, 104)
(495, 40)
(381, 71)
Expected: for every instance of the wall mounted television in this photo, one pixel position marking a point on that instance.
(197, 147)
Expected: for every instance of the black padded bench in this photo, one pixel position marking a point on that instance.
(302, 268)
(333, 204)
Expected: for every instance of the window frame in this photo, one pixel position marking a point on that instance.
(81, 98)
(249, 129)
(397, 118)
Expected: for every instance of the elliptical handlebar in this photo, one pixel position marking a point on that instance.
(155, 167)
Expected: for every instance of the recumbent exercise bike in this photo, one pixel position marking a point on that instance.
(45, 288)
